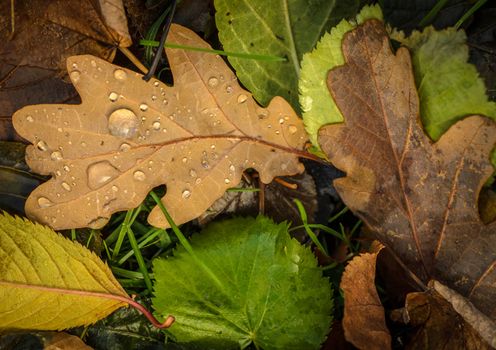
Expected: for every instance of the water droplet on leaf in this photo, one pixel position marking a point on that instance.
(213, 81)
(29, 119)
(42, 146)
(292, 129)
(66, 186)
(56, 155)
(119, 74)
(44, 202)
(75, 75)
(139, 175)
(143, 107)
(242, 98)
(101, 173)
(156, 125)
(113, 96)
(186, 194)
(123, 123)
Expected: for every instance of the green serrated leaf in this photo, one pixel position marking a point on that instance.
(449, 87)
(285, 28)
(35, 261)
(268, 289)
(315, 99)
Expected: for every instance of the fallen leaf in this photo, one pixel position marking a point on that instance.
(64, 341)
(35, 261)
(129, 136)
(437, 325)
(449, 87)
(316, 103)
(32, 58)
(363, 322)
(284, 29)
(257, 286)
(420, 198)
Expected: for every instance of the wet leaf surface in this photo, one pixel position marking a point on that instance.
(419, 197)
(129, 136)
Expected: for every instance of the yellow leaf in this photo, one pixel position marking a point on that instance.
(48, 282)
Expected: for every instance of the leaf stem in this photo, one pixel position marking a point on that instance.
(125, 299)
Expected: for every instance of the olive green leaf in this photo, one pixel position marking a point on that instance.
(281, 28)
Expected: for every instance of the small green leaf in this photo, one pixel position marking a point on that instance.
(271, 291)
(316, 102)
(449, 87)
(278, 28)
(39, 268)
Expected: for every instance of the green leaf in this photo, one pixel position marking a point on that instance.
(316, 102)
(285, 28)
(449, 87)
(39, 270)
(271, 291)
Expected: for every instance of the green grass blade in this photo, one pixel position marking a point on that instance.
(139, 258)
(153, 43)
(470, 12)
(433, 13)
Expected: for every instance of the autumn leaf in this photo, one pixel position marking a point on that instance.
(129, 136)
(45, 33)
(39, 270)
(419, 197)
(364, 322)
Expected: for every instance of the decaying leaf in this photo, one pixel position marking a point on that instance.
(35, 258)
(129, 136)
(437, 325)
(64, 341)
(32, 58)
(420, 198)
(364, 322)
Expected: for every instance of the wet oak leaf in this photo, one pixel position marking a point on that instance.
(419, 197)
(129, 136)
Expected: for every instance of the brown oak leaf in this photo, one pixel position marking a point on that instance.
(129, 136)
(419, 197)
(364, 322)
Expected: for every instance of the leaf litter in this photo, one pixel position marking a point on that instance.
(419, 197)
(129, 136)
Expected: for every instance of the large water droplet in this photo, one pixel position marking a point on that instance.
(213, 81)
(119, 74)
(143, 107)
(123, 123)
(242, 98)
(156, 125)
(139, 175)
(186, 194)
(75, 75)
(292, 129)
(113, 96)
(56, 155)
(66, 186)
(44, 202)
(101, 173)
(42, 146)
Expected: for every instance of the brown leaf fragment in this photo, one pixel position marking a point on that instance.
(418, 197)
(32, 58)
(63, 341)
(364, 322)
(437, 325)
(129, 136)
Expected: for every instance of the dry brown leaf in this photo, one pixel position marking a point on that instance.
(363, 322)
(32, 58)
(420, 198)
(63, 341)
(129, 136)
(437, 325)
